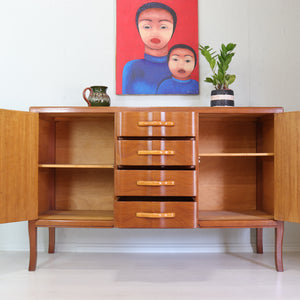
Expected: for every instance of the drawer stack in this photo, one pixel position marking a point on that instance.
(155, 180)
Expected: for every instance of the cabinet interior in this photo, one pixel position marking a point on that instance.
(76, 167)
(235, 174)
(235, 179)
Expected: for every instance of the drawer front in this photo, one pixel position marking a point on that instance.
(155, 153)
(156, 124)
(155, 214)
(155, 183)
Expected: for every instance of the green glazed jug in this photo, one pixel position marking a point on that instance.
(97, 96)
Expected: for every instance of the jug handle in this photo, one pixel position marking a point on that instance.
(84, 96)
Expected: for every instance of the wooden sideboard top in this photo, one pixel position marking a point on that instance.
(114, 109)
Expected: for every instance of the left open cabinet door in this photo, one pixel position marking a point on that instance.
(287, 167)
(18, 166)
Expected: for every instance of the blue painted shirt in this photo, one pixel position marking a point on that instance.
(178, 87)
(142, 76)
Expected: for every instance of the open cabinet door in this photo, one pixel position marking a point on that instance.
(18, 166)
(287, 167)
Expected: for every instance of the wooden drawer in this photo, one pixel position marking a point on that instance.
(155, 153)
(155, 214)
(155, 183)
(173, 124)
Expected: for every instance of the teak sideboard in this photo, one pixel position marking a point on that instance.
(150, 167)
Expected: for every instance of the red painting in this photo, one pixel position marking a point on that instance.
(157, 47)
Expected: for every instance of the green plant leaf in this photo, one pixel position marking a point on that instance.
(227, 76)
(230, 46)
(209, 80)
(223, 55)
(220, 76)
(231, 79)
(221, 60)
(224, 49)
(212, 63)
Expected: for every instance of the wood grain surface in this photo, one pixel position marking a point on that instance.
(18, 166)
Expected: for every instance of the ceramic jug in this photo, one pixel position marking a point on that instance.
(97, 96)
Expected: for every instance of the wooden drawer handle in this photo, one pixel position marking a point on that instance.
(156, 123)
(156, 152)
(155, 183)
(154, 215)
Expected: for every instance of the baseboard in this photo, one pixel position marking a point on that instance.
(169, 248)
(153, 247)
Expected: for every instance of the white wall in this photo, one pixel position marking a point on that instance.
(52, 49)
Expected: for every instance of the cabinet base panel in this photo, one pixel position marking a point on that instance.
(76, 218)
(233, 219)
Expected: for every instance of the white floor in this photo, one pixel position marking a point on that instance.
(149, 276)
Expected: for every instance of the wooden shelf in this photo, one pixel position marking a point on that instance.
(234, 154)
(236, 219)
(76, 219)
(89, 215)
(224, 215)
(72, 166)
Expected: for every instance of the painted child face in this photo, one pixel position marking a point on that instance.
(181, 63)
(155, 27)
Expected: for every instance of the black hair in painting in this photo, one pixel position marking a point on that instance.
(156, 5)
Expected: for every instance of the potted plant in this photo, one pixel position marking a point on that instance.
(219, 63)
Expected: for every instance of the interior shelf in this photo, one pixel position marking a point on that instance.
(248, 154)
(90, 215)
(80, 166)
(224, 215)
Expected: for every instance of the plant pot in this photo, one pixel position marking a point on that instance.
(222, 98)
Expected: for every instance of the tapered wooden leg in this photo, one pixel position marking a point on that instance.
(259, 240)
(278, 246)
(51, 240)
(32, 230)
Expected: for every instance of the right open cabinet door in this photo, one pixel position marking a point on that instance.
(18, 166)
(287, 167)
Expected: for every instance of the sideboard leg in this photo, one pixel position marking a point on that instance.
(32, 230)
(278, 246)
(51, 248)
(259, 240)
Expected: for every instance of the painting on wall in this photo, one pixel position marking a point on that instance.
(157, 47)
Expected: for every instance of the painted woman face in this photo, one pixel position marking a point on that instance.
(155, 27)
(181, 63)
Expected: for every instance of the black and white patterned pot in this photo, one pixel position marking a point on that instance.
(222, 98)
